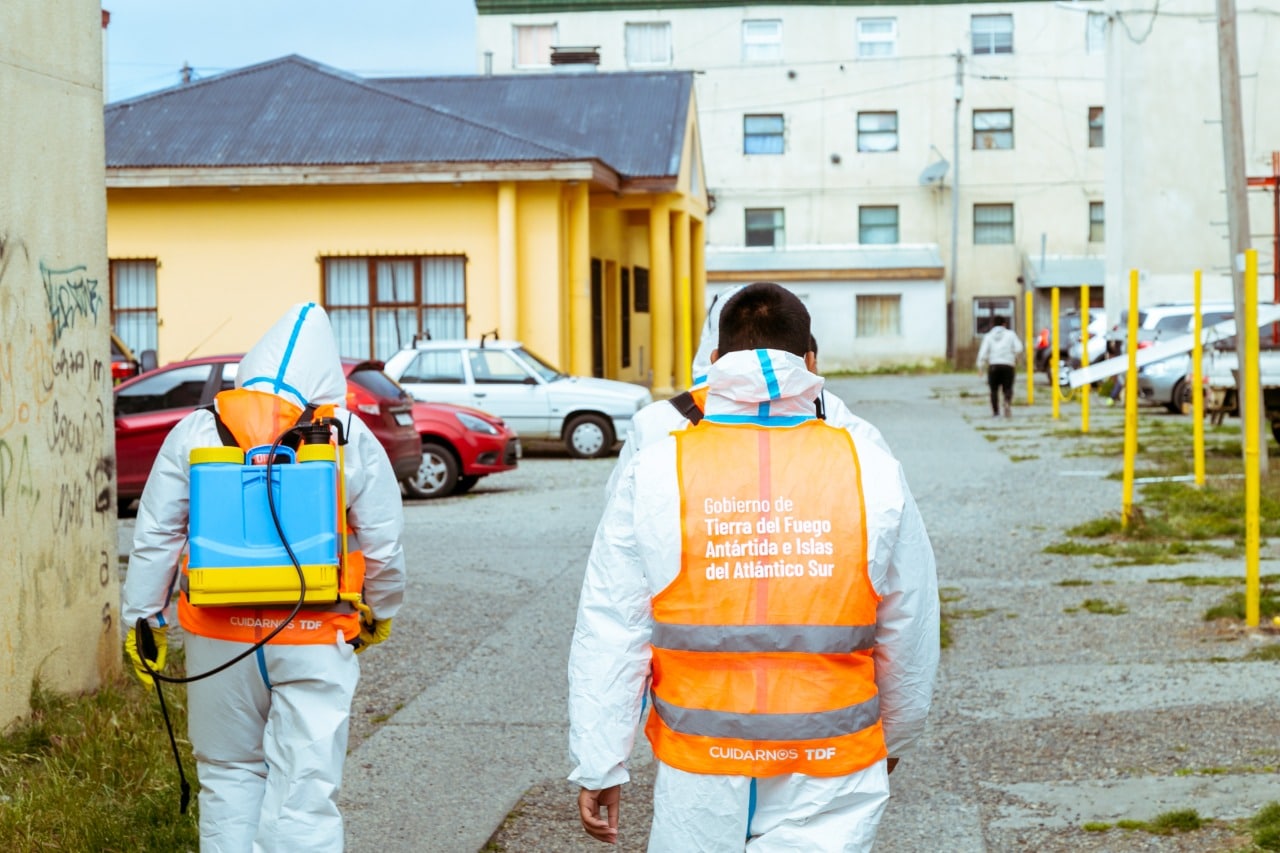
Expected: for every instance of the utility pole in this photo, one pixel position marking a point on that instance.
(955, 208)
(1237, 187)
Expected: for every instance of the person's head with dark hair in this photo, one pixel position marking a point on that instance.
(764, 315)
(1000, 320)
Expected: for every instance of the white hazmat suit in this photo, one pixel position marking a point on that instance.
(637, 554)
(270, 733)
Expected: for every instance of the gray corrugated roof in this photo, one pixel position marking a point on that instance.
(296, 112)
(824, 258)
(1064, 270)
(633, 121)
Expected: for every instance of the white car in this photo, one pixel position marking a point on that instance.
(502, 377)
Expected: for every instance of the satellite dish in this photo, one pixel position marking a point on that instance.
(933, 173)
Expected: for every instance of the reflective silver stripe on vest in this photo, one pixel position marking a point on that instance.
(815, 639)
(725, 724)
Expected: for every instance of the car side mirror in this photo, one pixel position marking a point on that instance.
(147, 360)
(529, 380)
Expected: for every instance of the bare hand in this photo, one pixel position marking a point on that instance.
(589, 804)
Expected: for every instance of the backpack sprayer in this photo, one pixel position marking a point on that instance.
(235, 558)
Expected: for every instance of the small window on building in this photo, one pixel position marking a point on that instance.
(533, 45)
(877, 37)
(764, 226)
(878, 131)
(762, 41)
(378, 305)
(992, 223)
(992, 130)
(133, 303)
(648, 44)
(1095, 32)
(762, 134)
(642, 290)
(987, 308)
(878, 315)
(992, 34)
(1097, 127)
(1097, 222)
(878, 224)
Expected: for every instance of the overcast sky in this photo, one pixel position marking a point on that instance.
(148, 41)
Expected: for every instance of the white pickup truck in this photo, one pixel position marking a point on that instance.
(1219, 371)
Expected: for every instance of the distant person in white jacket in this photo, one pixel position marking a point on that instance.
(998, 356)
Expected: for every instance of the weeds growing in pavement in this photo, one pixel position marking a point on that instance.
(1265, 826)
(95, 772)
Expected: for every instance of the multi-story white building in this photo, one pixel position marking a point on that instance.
(832, 135)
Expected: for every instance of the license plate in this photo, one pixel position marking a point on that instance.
(404, 419)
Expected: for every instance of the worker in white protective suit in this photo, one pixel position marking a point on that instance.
(656, 420)
(270, 733)
(767, 578)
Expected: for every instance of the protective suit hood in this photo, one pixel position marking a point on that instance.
(741, 381)
(711, 333)
(296, 359)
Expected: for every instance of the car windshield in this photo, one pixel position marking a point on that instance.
(540, 367)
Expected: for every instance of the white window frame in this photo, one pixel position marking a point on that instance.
(871, 231)
(551, 35)
(1095, 32)
(777, 227)
(1097, 127)
(993, 130)
(875, 136)
(877, 315)
(1097, 222)
(780, 135)
(876, 41)
(644, 49)
(762, 40)
(991, 34)
(987, 308)
(992, 231)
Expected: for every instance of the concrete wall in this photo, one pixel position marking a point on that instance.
(1049, 81)
(58, 580)
(1165, 184)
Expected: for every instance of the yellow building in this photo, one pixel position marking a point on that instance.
(565, 210)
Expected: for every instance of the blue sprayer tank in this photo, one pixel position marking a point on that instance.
(236, 553)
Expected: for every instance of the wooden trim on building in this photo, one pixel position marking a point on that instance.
(896, 274)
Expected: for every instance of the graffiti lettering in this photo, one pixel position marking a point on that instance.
(71, 294)
(17, 482)
(8, 246)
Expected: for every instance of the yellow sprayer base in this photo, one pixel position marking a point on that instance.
(261, 585)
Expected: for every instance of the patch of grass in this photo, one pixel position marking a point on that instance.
(1265, 826)
(1096, 826)
(1233, 606)
(95, 772)
(1074, 582)
(1270, 652)
(976, 613)
(1016, 458)
(1199, 580)
(1183, 820)
(1103, 607)
(1224, 771)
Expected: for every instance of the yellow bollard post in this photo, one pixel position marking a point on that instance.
(1197, 386)
(1130, 404)
(1029, 309)
(1053, 352)
(1084, 356)
(1247, 331)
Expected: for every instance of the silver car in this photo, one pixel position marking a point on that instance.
(502, 377)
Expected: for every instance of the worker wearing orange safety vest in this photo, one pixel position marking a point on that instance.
(270, 733)
(768, 578)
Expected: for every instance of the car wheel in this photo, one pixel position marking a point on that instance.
(588, 436)
(1180, 401)
(437, 474)
(465, 484)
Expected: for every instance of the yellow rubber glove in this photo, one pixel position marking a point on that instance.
(131, 648)
(371, 635)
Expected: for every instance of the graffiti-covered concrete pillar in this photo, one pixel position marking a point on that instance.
(59, 586)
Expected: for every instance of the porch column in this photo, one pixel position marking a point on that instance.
(579, 281)
(682, 280)
(698, 263)
(660, 302)
(508, 293)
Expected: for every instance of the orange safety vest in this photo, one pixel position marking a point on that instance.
(255, 418)
(762, 645)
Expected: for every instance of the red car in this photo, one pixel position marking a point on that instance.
(147, 407)
(459, 446)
